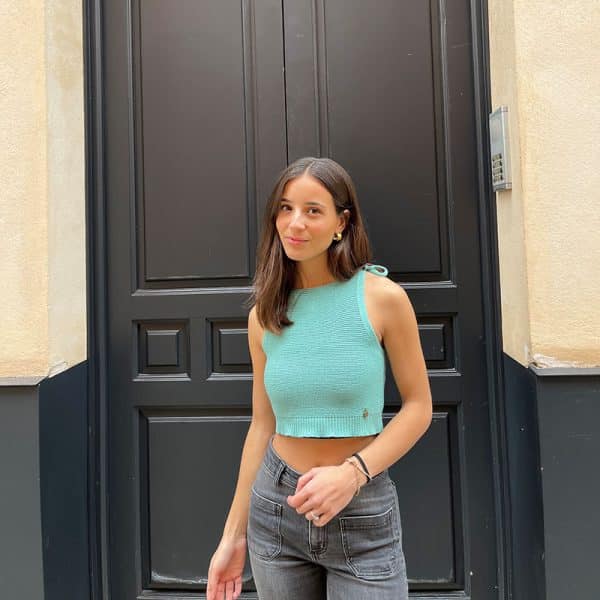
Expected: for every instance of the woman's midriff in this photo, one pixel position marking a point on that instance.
(302, 454)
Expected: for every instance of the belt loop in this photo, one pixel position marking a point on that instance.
(279, 471)
(275, 458)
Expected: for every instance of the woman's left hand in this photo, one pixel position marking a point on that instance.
(324, 491)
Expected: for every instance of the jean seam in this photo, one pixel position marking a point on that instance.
(278, 517)
(317, 554)
(351, 562)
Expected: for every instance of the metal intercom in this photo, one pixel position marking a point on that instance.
(500, 149)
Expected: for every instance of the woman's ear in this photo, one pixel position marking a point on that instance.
(345, 218)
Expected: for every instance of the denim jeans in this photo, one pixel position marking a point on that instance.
(356, 556)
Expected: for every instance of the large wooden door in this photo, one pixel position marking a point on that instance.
(206, 101)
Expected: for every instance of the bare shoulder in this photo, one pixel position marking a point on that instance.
(384, 292)
(391, 305)
(255, 330)
(252, 316)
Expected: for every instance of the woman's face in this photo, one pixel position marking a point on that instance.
(306, 218)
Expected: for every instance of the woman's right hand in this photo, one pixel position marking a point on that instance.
(226, 568)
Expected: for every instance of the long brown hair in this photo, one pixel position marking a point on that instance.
(275, 272)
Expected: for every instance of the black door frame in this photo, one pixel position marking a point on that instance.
(97, 301)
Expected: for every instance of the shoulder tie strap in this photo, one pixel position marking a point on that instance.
(377, 269)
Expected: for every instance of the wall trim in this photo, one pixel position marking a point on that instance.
(23, 381)
(92, 18)
(565, 371)
(490, 275)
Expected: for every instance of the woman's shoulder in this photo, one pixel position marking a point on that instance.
(255, 329)
(384, 292)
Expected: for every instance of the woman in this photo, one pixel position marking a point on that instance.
(314, 503)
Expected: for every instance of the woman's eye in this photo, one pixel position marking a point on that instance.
(284, 207)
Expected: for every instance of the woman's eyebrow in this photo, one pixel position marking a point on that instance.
(312, 202)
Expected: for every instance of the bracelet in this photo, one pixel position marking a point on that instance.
(360, 468)
(357, 482)
(355, 476)
(364, 466)
(357, 467)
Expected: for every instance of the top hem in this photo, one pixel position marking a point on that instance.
(320, 426)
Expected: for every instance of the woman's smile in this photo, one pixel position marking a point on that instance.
(295, 241)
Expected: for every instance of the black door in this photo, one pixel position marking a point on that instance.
(207, 100)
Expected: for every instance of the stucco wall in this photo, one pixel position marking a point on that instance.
(544, 67)
(66, 185)
(42, 202)
(544, 61)
(23, 243)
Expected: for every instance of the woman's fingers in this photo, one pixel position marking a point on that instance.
(215, 591)
(224, 590)
(307, 506)
(211, 586)
(304, 479)
(322, 520)
(237, 588)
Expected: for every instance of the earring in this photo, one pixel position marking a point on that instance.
(337, 236)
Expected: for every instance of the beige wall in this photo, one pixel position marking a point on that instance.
(544, 59)
(42, 202)
(544, 67)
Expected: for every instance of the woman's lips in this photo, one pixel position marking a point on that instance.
(295, 241)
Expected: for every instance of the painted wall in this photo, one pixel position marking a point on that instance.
(544, 67)
(543, 59)
(42, 202)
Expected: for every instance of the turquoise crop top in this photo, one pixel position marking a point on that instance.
(325, 374)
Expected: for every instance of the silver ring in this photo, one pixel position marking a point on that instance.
(315, 517)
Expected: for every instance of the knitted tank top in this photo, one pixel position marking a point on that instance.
(325, 374)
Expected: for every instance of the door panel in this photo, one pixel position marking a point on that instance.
(386, 89)
(377, 111)
(195, 133)
(206, 101)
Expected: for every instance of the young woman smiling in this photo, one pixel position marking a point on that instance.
(314, 503)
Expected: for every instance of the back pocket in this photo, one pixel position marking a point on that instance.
(264, 526)
(372, 544)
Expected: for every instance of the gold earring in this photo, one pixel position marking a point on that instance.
(337, 236)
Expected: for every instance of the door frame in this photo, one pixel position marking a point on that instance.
(96, 284)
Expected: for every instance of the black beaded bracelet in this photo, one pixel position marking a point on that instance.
(364, 466)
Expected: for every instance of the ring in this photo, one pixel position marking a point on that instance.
(315, 517)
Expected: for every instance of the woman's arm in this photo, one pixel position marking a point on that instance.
(403, 347)
(261, 429)
(255, 445)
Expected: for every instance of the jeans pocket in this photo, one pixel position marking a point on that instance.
(264, 526)
(371, 544)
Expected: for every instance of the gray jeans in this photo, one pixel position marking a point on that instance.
(356, 556)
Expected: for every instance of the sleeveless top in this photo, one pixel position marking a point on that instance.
(325, 373)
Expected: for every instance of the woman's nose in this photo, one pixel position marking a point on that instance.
(297, 219)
